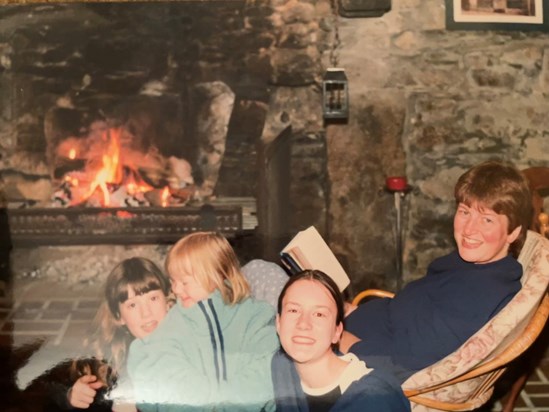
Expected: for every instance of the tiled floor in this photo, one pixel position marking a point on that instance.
(535, 396)
(43, 323)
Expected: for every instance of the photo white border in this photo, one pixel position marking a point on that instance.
(460, 17)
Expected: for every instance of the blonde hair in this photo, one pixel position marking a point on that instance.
(110, 339)
(209, 257)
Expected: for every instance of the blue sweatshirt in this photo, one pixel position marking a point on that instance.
(210, 355)
(376, 391)
(432, 316)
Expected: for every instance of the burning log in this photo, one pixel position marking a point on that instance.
(116, 174)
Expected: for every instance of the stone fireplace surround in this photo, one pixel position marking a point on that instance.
(145, 67)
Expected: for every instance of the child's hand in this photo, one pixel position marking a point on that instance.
(83, 391)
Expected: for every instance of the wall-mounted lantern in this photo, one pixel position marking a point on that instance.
(335, 94)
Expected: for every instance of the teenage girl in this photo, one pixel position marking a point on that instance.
(214, 348)
(308, 375)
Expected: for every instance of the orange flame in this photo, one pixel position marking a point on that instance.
(164, 197)
(111, 169)
(108, 169)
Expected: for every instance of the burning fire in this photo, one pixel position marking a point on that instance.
(110, 169)
(165, 196)
(106, 175)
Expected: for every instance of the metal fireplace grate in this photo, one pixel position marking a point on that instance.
(145, 225)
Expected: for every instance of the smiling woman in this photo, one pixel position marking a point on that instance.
(432, 316)
(481, 234)
(308, 375)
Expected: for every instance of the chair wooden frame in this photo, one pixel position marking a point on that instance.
(493, 368)
(490, 369)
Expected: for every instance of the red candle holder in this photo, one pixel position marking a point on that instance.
(396, 183)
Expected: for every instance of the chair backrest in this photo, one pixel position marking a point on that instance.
(538, 181)
(464, 379)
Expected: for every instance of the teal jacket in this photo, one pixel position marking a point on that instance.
(209, 356)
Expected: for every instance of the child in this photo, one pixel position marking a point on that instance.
(214, 348)
(309, 375)
(136, 300)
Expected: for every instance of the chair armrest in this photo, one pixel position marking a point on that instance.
(371, 292)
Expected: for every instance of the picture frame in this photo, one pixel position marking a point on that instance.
(497, 15)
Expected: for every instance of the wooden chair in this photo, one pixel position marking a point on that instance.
(538, 179)
(464, 380)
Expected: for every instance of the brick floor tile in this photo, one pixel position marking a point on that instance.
(83, 314)
(61, 305)
(37, 326)
(540, 401)
(89, 304)
(537, 388)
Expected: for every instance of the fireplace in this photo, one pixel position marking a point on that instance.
(190, 97)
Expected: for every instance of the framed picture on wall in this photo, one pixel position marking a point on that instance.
(521, 15)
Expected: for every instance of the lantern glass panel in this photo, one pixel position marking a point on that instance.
(335, 94)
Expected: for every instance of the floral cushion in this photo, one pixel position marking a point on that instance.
(493, 338)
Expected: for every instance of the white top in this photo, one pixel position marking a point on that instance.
(355, 370)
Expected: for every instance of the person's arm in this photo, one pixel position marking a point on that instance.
(376, 391)
(162, 371)
(349, 308)
(347, 340)
(60, 387)
(251, 383)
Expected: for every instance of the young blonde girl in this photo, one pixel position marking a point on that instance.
(214, 348)
(137, 298)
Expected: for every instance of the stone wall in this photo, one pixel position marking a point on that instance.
(425, 102)
(93, 60)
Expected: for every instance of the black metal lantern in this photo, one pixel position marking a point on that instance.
(335, 94)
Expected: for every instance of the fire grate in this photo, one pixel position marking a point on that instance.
(138, 225)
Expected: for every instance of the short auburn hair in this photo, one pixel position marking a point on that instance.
(499, 186)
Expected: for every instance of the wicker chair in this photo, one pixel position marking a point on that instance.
(538, 180)
(464, 380)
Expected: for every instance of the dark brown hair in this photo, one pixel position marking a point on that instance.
(324, 280)
(109, 339)
(503, 188)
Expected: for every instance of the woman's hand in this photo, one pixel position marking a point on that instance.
(83, 391)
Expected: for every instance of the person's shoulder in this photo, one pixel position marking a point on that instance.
(449, 261)
(252, 304)
(266, 279)
(250, 307)
(264, 270)
(251, 316)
